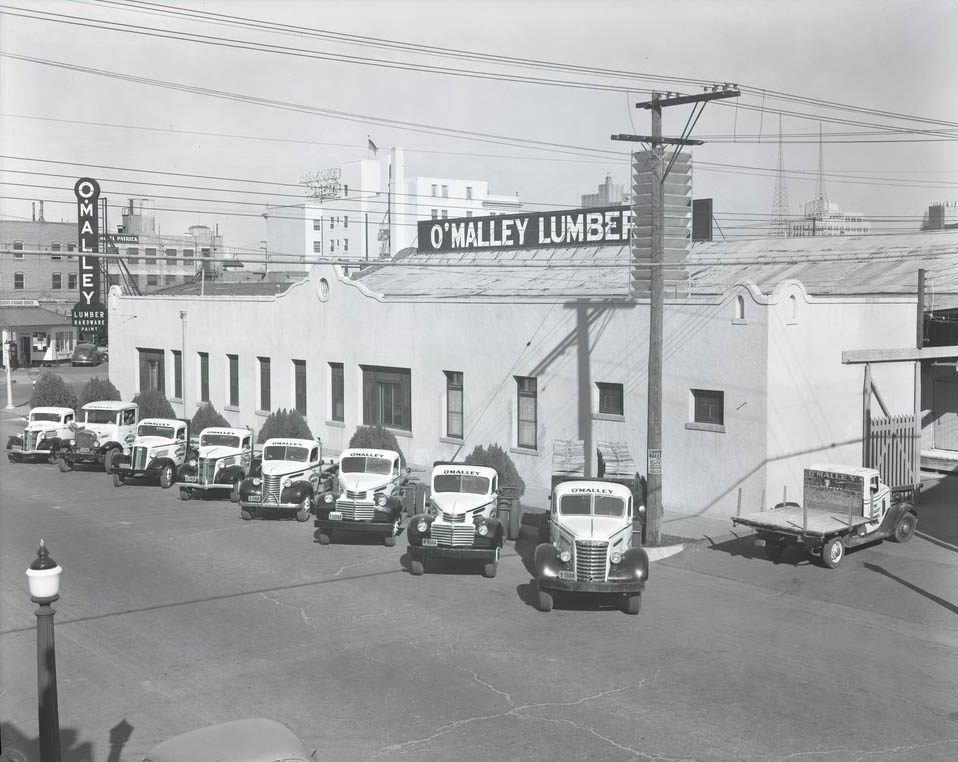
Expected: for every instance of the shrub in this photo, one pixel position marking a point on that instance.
(499, 459)
(97, 389)
(154, 404)
(284, 423)
(377, 438)
(205, 417)
(51, 390)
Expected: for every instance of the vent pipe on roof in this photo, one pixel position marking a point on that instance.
(33, 211)
(41, 212)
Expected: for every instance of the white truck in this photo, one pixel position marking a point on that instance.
(372, 494)
(46, 429)
(591, 548)
(157, 451)
(104, 429)
(842, 507)
(461, 519)
(293, 477)
(223, 459)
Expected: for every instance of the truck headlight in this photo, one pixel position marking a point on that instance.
(565, 556)
(72, 442)
(192, 462)
(380, 500)
(287, 482)
(615, 557)
(328, 497)
(126, 450)
(422, 526)
(482, 529)
(41, 435)
(257, 481)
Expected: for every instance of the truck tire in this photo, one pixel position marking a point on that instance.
(52, 457)
(416, 567)
(167, 476)
(14, 457)
(108, 458)
(63, 464)
(389, 540)
(305, 509)
(515, 520)
(632, 604)
(489, 569)
(905, 527)
(323, 537)
(234, 490)
(544, 601)
(118, 479)
(833, 551)
(186, 493)
(245, 515)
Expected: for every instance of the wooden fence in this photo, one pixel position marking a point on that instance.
(892, 448)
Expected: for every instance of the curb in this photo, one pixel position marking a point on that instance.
(663, 551)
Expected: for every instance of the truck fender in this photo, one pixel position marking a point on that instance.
(412, 526)
(637, 561)
(393, 504)
(296, 491)
(119, 459)
(157, 464)
(547, 563)
(14, 439)
(229, 474)
(495, 530)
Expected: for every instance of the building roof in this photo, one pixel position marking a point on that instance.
(17, 317)
(248, 285)
(870, 265)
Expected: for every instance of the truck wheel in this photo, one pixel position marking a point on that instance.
(905, 528)
(544, 602)
(64, 465)
(323, 538)
(167, 477)
(416, 567)
(515, 520)
(833, 552)
(245, 515)
(185, 493)
(118, 479)
(389, 540)
(52, 457)
(305, 509)
(632, 604)
(14, 457)
(108, 458)
(234, 490)
(489, 569)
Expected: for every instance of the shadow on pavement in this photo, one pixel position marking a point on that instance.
(930, 596)
(746, 547)
(938, 511)
(18, 747)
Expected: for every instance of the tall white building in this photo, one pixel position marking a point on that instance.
(368, 210)
(824, 218)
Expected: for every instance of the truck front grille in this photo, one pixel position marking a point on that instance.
(139, 458)
(350, 495)
(456, 535)
(355, 512)
(272, 485)
(590, 560)
(206, 471)
(86, 439)
(30, 440)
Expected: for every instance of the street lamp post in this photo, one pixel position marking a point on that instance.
(43, 578)
(6, 365)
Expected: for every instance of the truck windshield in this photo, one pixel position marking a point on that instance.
(224, 440)
(99, 416)
(154, 430)
(475, 485)
(45, 417)
(355, 465)
(286, 452)
(591, 505)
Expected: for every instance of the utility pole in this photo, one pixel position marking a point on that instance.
(660, 172)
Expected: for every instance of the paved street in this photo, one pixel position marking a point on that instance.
(174, 615)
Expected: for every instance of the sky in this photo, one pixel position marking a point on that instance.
(896, 58)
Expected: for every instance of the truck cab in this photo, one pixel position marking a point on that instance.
(369, 497)
(461, 519)
(156, 452)
(46, 428)
(223, 459)
(591, 544)
(293, 477)
(104, 428)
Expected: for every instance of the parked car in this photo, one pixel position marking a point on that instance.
(255, 740)
(86, 354)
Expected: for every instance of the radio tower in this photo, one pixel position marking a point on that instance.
(779, 227)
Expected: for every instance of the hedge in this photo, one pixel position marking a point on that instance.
(97, 389)
(377, 438)
(284, 423)
(154, 404)
(50, 390)
(499, 459)
(207, 417)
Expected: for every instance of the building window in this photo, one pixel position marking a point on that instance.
(170, 256)
(740, 307)
(264, 397)
(152, 280)
(445, 191)
(71, 281)
(469, 193)
(55, 246)
(299, 386)
(177, 374)
(330, 245)
(57, 281)
(152, 375)
(387, 397)
(435, 214)
(204, 376)
(469, 214)
(708, 406)
(345, 220)
(435, 189)
(188, 253)
(792, 308)
(232, 362)
(169, 280)
(149, 252)
(71, 247)
(133, 255)
(18, 281)
(345, 190)
(611, 399)
(318, 224)
(205, 253)
(18, 246)
(332, 221)
(337, 393)
(445, 214)
(345, 244)
(453, 404)
(317, 247)
(526, 405)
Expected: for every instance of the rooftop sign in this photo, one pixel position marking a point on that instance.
(571, 227)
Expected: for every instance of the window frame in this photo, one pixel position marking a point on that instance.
(527, 387)
(454, 389)
(337, 392)
(232, 380)
(387, 397)
(264, 376)
(299, 371)
(606, 392)
(203, 366)
(703, 404)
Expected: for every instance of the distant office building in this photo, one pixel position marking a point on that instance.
(609, 194)
(36, 262)
(941, 216)
(823, 218)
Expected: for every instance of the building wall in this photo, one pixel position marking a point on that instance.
(29, 248)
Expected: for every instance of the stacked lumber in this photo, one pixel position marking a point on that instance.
(568, 457)
(615, 460)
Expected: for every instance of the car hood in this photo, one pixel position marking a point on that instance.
(283, 467)
(363, 482)
(219, 451)
(100, 429)
(592, 527)
(42, 426)
(152, 442)
(457, 503)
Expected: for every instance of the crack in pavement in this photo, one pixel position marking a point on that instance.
(203, 531)
(864, 753)
(302, 611)
(358, 563)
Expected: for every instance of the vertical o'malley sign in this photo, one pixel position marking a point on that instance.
(89, 313)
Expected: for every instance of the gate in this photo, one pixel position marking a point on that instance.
(892, 448)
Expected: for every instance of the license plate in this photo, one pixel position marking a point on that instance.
(189, 478)
(253, 499)
(430, 543)
(567, 575)
(85, 449)
(335, 516)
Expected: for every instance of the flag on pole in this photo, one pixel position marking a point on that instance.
(372, 146)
